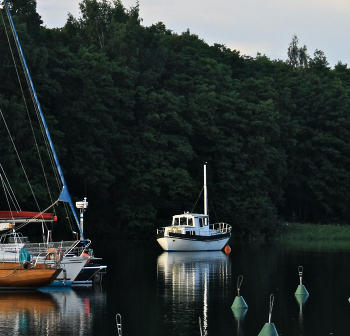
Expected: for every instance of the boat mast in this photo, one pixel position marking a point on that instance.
(67, 195)
(205, 194)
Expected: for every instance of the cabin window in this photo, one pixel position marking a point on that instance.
(176, 221)
(183, 221)
(190, 222)
(200, 222)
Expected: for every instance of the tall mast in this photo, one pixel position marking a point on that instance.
(67, 195)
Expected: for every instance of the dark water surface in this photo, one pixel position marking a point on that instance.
(163, 294)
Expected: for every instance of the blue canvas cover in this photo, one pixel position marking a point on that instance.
(24, 255)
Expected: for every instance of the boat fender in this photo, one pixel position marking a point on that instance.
(227, 249)
(51, 254)
(85, 255)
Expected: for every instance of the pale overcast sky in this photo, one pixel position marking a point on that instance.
(249, 26)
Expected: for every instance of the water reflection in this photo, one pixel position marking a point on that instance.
(23, 312)
(47, 312)
(184, 280)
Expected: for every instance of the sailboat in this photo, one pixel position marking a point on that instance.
(73, 255)
(26, 276)
(193, 232)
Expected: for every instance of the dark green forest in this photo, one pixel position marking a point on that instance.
(135, 112)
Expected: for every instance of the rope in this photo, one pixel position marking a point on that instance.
(12, 272)
(36, 216)
(239, 283)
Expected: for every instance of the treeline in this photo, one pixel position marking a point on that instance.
(135, 112)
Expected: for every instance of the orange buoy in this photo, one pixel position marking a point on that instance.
(227, 249)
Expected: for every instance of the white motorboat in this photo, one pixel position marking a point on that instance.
(193, 232)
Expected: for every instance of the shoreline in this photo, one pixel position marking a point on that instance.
(297, 231)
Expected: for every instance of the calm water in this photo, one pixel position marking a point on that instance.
(162, 294)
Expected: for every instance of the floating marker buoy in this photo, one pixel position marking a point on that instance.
(239, 301)
(301, 298)
(239, 306)
(227, 249)
(269, 328)
(301, 290)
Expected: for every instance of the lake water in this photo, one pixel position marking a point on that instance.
(163, 294)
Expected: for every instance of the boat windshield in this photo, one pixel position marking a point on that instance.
(183, 221)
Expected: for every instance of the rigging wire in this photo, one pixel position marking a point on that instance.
(6, 194)
(46, 141)
(197, 200)
(7, 185)
(24, 100)
(36, 216)
(19, 159)
(41, 122)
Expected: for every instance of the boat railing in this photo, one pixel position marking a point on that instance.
(215, 229)
(47, 259)
(221, 227)
(64, 248)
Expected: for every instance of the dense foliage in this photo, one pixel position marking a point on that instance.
(135, 111)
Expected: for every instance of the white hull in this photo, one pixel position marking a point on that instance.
(71, 268)
(185, 244)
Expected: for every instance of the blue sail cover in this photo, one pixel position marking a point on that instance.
(64, 195)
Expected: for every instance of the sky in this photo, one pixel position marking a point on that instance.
(250, 26)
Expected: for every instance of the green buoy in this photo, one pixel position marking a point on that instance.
(269, 328)
(239, 301)
(301, 299)
(301, 290)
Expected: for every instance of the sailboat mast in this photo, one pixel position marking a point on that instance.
(42, 117)
(205, 192)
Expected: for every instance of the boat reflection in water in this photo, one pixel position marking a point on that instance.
(184, 281)
(48, 312)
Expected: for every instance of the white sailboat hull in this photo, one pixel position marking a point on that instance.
(186, 244)
(71, 269)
